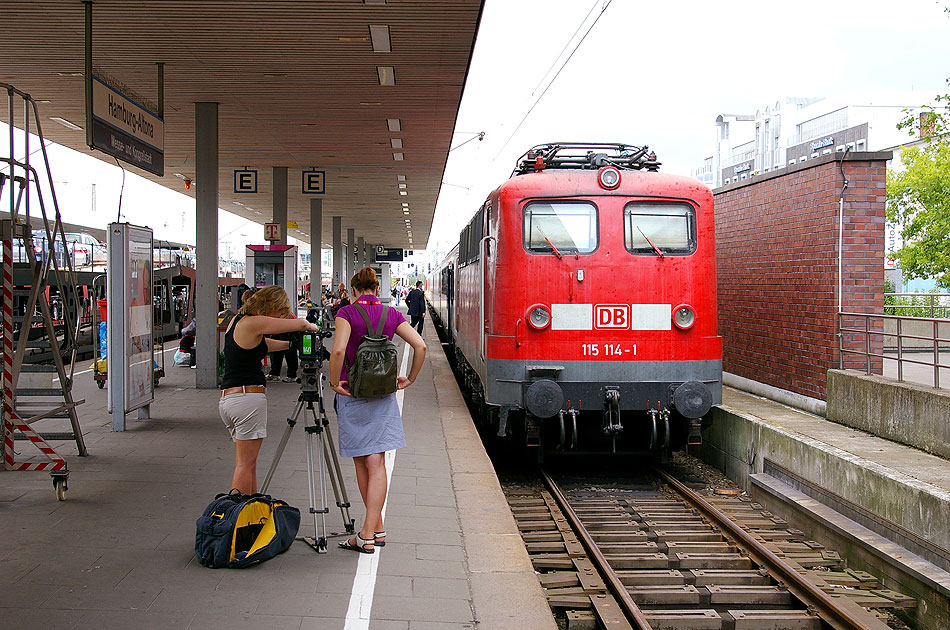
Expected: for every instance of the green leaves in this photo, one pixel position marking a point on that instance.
(919, 199)
(932, 122)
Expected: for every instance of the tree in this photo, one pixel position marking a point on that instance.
(919, 199)
(932, 122)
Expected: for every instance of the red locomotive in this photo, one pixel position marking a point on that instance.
(581, 302)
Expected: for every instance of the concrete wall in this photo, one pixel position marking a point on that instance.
(915, 415)
(739, 444)
(917, 329)
(777, 268)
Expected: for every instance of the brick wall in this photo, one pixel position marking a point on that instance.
(777, 267)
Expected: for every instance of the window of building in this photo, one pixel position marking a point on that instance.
(823, 125)
(791, 162)
(569, 226)
(862, 145)
(851, 146)
(815, 154)
(826, 152)
(839, 148)
(668, 226)
(803, 158)
(742, 176)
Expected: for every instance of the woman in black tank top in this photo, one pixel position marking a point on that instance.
(243, 406)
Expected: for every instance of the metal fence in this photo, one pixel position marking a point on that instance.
(916, 341)
(918, 304)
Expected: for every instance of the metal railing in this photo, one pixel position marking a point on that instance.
(918, 304)
(922, 344)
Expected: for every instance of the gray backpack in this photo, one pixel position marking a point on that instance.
(374, 371)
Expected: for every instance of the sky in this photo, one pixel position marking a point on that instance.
(658, 73)
(646, 73)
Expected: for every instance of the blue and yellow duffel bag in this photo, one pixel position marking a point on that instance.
(237, 530)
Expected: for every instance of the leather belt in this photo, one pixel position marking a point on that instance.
(244, 389)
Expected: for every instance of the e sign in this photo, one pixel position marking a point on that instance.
(245, 181)
(312, 182)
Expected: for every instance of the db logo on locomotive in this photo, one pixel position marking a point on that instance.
(611, 316)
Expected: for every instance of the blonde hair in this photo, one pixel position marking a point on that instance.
(365, 280)
(265, 301)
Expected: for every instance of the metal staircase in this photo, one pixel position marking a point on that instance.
(31, 331)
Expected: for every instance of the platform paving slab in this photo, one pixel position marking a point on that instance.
(118, 553)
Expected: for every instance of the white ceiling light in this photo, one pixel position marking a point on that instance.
(66, 123)
(379, 33)
(399, 157)
(387, 75)
(403, 192)
(402, 186)
(394, 124)
(400, 178)
(396, 142)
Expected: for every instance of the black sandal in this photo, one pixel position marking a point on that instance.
(377, 536)
(359, 546)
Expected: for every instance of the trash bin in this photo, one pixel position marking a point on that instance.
(103, 304)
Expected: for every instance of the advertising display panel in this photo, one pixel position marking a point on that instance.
(139, 355)
(129, 297)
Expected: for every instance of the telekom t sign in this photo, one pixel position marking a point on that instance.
(611, 316)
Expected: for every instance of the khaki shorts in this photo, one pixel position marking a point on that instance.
(245, 415)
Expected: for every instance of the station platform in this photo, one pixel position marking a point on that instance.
(119, 552)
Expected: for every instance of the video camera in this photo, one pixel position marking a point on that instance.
(309, 344)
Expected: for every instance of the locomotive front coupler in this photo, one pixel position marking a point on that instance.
(612, 425)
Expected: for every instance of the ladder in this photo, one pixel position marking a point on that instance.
(29, 329)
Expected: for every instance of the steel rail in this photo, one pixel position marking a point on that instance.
(617, 588)
(805, 591)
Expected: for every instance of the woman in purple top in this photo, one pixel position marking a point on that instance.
(368, 427)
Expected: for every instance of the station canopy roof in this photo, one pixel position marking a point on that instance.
(365, 90)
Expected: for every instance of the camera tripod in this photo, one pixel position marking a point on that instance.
(311, 391)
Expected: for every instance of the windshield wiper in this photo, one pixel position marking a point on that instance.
(655, 248)
(550, 244)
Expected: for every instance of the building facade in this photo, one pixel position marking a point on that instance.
(793, 130)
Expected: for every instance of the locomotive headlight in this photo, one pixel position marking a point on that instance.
(609, 177)
(684, 317)
(538, 316)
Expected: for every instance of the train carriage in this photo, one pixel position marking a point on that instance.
(581, 302)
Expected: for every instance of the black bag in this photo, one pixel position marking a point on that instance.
(374, 371)
(237, 530)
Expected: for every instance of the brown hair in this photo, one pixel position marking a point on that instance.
(365, 280)
(266, 301)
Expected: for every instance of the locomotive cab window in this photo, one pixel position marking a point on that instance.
(568, 227)
(668, 227)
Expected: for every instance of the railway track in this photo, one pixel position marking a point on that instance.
(668, 558)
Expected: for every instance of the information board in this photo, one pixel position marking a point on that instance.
(129, 321)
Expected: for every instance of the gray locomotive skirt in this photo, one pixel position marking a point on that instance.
(368, 425)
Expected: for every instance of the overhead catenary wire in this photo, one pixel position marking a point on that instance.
(554, 78)
(566, 44)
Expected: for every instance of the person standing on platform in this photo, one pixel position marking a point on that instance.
(416, 305)
(277, 361)
(368, 427)
(243, 404)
